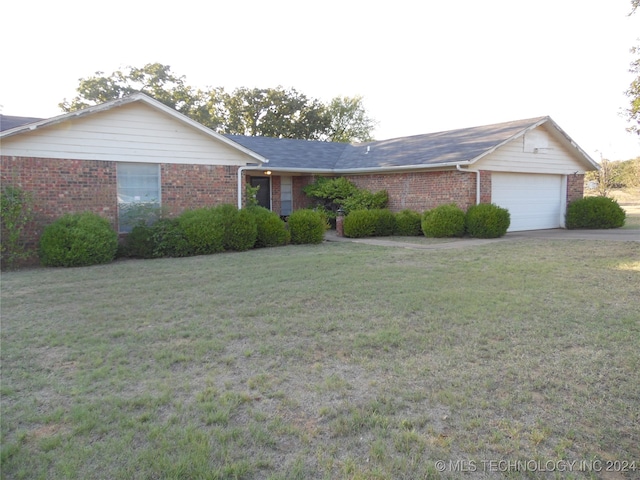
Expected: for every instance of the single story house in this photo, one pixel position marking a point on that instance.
(137, 150)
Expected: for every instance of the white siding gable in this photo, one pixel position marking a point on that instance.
(536, 151)
(133, 132)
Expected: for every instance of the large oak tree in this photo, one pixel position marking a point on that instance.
(272, 112)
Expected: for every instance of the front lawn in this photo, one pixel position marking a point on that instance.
(338, 360)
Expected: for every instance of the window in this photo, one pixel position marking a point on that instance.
(138, 194)
(286, 195)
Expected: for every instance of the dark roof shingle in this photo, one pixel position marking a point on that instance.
(7, 122)
(431, 149)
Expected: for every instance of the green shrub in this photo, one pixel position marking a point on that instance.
(595, 212)
(330, 192)
(271, 229)
(16, 211)
(169, 239)
(365, 200)
(385, 222)
(487, 220)
(443, 221)
(139, 243)
(307, 226)
(203, 230)
(408, 223)
(78, 239)
(359, 224)
(240, 230)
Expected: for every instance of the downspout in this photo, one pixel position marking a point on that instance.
(477, 172)
(241, 171)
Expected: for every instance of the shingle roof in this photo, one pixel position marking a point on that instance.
(449, 147)
(432, 149)
(292, 153)
(9, 121)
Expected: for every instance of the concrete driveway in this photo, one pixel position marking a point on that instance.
(621, 235)
(612, 234)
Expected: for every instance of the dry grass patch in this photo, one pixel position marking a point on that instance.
(339, 360)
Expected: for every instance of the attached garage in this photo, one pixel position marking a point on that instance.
(535, 201)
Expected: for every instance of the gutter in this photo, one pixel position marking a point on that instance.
(241, 171)
(477, 172)
(346, 171)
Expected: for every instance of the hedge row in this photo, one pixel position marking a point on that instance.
(88, 239)
(482, 221)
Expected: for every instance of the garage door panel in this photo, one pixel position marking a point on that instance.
(534, 201)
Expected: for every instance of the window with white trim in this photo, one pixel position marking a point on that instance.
(138, 194)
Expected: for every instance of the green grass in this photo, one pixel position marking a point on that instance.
(339, 360)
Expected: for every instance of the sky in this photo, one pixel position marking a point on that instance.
(420, 66)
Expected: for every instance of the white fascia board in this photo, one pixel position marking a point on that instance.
(577, 147)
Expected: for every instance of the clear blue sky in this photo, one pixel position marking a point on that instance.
(420, 66)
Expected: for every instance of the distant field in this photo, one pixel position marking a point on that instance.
(629, 199)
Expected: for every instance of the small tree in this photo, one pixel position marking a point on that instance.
(16, 211)
(604, 177)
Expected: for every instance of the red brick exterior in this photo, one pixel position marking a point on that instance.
(300, 200)
(422, 191)
(185, 187)
(276, 194)
(485, 186)
(575, 187)
(62, 186)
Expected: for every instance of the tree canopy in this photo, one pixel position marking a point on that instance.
(271, 112)
(633, 92)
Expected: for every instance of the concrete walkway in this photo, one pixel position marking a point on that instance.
(620, 235)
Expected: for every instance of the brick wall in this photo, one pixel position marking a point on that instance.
(186, 187)
(62, 186)
(276, 194)
(300, 200)
(575, 187)
(69, 186)
(485, 186)
(422, 191)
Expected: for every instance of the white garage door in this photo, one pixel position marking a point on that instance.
(534, 201)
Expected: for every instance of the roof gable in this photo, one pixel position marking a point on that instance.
(145, 103)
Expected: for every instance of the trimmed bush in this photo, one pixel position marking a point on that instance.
(169, 239)
(203, 230)
(595, 212)
(271, 229)
(408, 224)
(487, 220)
(307, 226)
(139, 243)
(443, 221)
(385, 222)
(359, 224)
(365, 200)
(78, 239)
(240, 230)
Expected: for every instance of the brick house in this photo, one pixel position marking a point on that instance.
(137, 150)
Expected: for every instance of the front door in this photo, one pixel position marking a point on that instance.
(264, 192)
